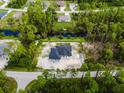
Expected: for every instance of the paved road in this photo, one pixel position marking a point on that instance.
(4, 5)
(24, 78)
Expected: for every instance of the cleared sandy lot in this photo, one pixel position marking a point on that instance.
(75, 61)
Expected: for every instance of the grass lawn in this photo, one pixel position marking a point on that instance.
(2, 11)
(78, 39)
(16, 69)
(21, 69)
(9, 37)
(1, 3)
(67, 5)
(60, 14)
(63, 25)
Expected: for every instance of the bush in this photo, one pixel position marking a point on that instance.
(60, 36)
(17, 3)
(7, 84)
(10, 85)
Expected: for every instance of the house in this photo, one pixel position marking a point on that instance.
(73, 6)
(65, 18)
(60, 3)
(60, 51)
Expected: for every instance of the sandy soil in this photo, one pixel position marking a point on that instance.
(75, 61)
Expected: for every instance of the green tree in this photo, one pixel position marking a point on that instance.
(121, 50)
(107, 54)
(27, 34)
(44, 21)
(46, 74)
(1, 91)
(89, 85)
(120, 76)
(98, 68)
(41, 81)
(118, 88)
(22, 91)
(106, 82)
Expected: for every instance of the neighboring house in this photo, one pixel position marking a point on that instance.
(73, 6)
(60, 3)
(65, 18)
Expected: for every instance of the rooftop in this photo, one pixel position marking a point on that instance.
(65, 18)
(60, 3)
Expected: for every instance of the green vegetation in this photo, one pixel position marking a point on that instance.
(106, 83)
(62, 39)
(16, 68)
(17, 3)
(1, 3)
(44, 22)
(60, 14)
(25, 56)
(103, 29)
(105, 33)
(8, 37)
(93, 4)
(63, 25)
(7, 84)
(8, 22)
(53, 4)
(3, 11)
(67, 3)
(32, 26)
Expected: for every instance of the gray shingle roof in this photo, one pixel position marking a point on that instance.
(64, 18)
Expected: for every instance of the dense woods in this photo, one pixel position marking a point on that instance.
(105, 30)
(106, 83)
(17, 3)
(95, 4)
(43, 21)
